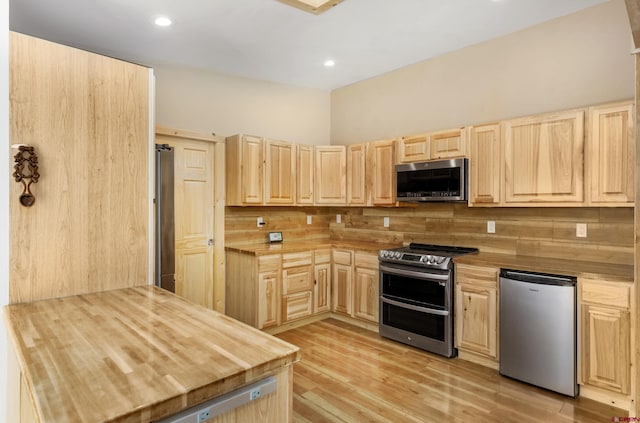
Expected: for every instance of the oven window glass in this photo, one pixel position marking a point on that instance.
(420, 323)
(415, 291)
(430, 181)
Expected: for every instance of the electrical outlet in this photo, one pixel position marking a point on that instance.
(308, 219)
(254, 394)
(491, 227)
(204, 415)
(385, 222)
(338, 218)
(259, 222)
(581, 230)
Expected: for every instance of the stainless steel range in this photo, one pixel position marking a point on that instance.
(416, 295)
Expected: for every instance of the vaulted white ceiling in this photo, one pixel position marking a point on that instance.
(269, 40)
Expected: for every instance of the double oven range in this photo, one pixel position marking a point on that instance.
(417, 295)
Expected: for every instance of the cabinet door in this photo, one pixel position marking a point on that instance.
(251, 161)
(322, 288)
(305, 166)
(330, 177)
(611, 154)
(543, 160)
(476, 328)
(342, 280)
(296, 279)
(606, 347)
(484, 165)
(447, 144)
(413, 148)
(296, 306)
(356, 170)
(268, 299)
(381, 172)
(366, 298)
(280, 172)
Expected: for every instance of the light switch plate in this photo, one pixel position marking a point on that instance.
(385, 222)
(308, 219)
(338, 218)
(491, 226)
(581, 230)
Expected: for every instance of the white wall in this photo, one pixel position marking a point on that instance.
(204, 101)
(572, 61)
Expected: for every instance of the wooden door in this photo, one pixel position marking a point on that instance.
(342, 280)
(543, 159)
(194, 188)
(381, 172)
(447, 144)
(322, 288)
(267, 299)
(413, 148)
(611, 154)
(366, 298)
(606, 347)
(280, 172)
(476, 319)
(330, 177)
(305, 166)
(356, 175)
(484, 165)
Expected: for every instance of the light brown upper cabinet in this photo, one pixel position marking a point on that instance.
(484, 165)
(611, 155)
(330, 177)
(244, 170)
(543, 159)
(356, 175)
(280, 172)
(434, 145)
(381, 173)
(305, 169)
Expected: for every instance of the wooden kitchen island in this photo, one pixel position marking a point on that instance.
(139, 355)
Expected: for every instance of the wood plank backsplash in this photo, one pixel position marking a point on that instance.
(544, 232)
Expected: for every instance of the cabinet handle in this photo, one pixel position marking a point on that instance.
(315, 282)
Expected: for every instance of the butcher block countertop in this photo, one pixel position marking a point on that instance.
(299, 246)
(581, 269)
(134, 354)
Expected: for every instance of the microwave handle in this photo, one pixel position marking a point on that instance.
(419, 275)
(415, 308)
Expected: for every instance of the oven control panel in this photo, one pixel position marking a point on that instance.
(410, 258)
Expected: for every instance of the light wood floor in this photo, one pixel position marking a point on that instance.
(350, 374)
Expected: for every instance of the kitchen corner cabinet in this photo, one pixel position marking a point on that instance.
(543, 159)
(330, 177)
(485, 152)
(342, 282)
(476, 310)
(606, 356)
(356, 175)
(381, 172)
(279, 172)
(366, 289)
(244, 163)
(305, 169)
(611, 155)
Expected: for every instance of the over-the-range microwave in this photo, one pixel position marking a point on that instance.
(437, 180)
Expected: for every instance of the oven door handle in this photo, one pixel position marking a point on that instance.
(415, 307)
(419, 275)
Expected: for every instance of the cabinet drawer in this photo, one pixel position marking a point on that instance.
(323, 256)
(297, 259)
(475, 275)
(295, 306)
(367, 260)
(269, 263)
(342, 257)
(605, 293)
(297, 279)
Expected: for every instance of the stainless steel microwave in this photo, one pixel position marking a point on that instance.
(437, 180)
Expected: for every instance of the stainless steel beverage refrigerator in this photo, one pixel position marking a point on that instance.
(165, 266)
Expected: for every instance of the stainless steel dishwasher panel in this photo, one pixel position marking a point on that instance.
(538, 331)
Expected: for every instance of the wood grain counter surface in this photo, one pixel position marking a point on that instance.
(582, 269)
(298, 246)
(134, 354)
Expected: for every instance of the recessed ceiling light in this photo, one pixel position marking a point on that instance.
(330, 63)
(162, 21)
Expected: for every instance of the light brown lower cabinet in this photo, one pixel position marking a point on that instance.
(366, 287)
(476, 310)
(342, 282)
(322, 281)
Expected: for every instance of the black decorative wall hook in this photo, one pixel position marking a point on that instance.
(26, 159)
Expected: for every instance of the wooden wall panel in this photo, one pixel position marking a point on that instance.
(88, 118)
